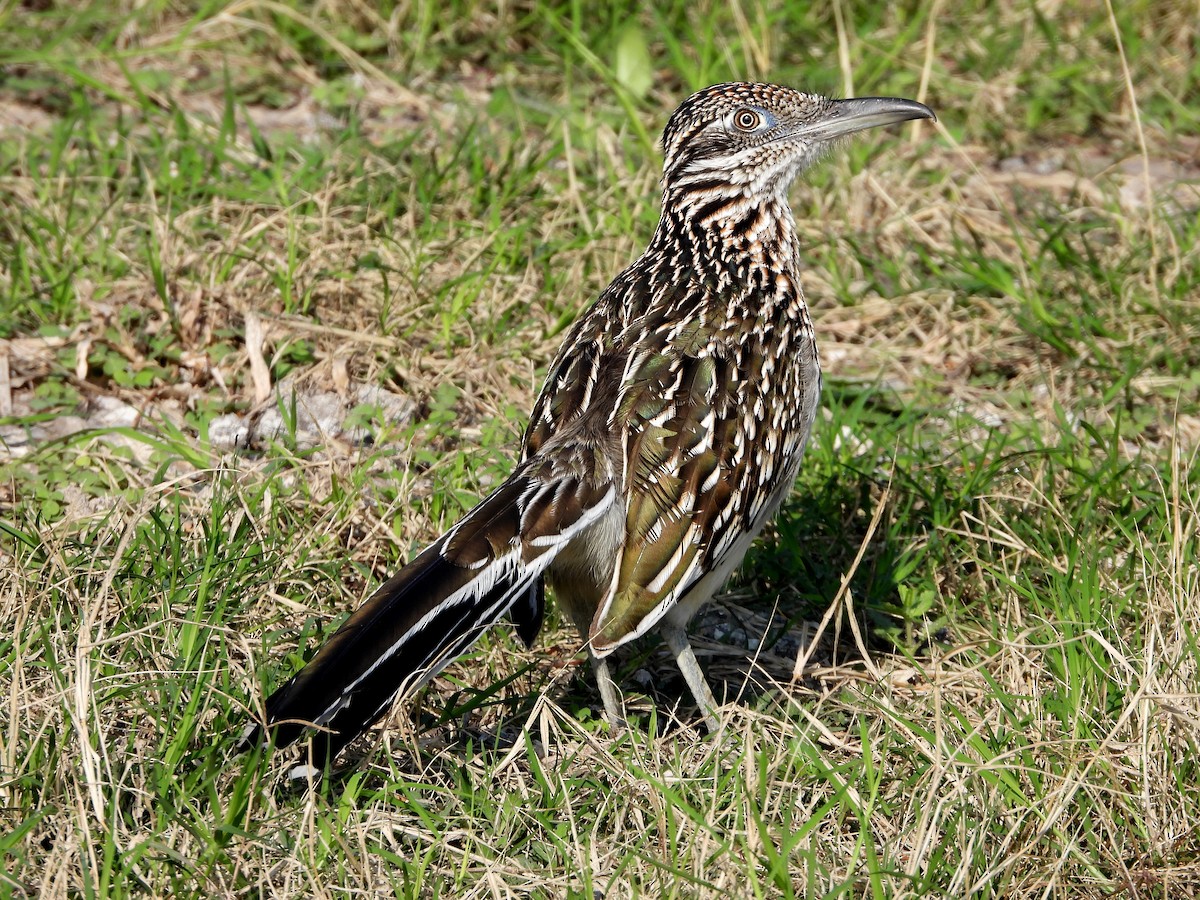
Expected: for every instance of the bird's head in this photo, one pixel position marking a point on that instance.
(754, 139)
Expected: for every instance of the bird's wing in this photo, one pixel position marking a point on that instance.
(689, 488)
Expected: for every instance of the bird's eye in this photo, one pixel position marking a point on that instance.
(747, 119)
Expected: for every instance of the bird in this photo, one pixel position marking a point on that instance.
(668, 431)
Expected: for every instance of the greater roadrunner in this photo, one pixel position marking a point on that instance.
(669, 429)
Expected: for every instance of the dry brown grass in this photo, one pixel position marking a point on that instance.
(1002, 290)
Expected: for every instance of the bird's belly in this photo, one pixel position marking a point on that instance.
(581, 574)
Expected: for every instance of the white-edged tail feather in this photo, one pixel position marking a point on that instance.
(491, 564)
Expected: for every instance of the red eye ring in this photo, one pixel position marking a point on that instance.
(747, 119)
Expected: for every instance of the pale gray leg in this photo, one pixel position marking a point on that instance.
(608, 691)
(677, 639)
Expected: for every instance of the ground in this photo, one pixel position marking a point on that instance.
(278, 283)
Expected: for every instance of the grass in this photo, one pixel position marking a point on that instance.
(1003, 494)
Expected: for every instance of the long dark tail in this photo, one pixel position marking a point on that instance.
(489, 565)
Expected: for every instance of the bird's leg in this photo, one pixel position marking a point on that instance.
(677, 639)
(608, 691)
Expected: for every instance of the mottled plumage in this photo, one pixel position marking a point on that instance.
(669, 429)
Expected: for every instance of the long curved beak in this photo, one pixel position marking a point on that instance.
(848, 116)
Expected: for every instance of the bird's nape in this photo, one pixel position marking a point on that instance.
(668, 431)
